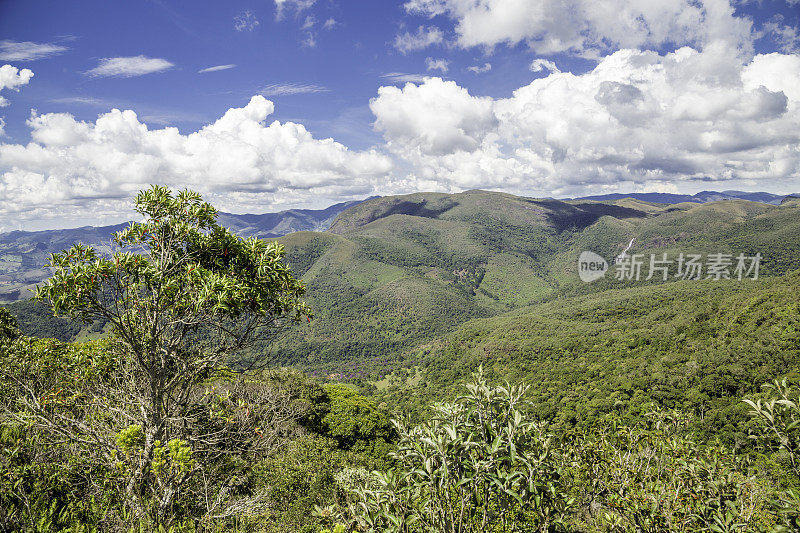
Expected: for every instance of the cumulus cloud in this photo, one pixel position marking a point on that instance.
(637, 119)
(424, 37)
(245, 21)
(216, 68)
(330, 24)
(240, 161)
(128, 67)
(478, 69)
(28, 51)
(437, 64)
(539, 65)
(432, 119)
(588, 27)
(12, 78)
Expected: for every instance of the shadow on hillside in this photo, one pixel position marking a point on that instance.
(565, 216)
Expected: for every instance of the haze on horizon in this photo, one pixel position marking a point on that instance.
(301, 103)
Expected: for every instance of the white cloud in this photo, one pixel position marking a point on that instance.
(297, 5)
(12, 78)
(437, 64)
(216, 68)
(28, 51)
(539, 65)
(310, 41)
(435, 118)
(424, 37)
(240, 161)
(637, 119)
(246, 21)
(588, 27)
(287, 89)
(82, 100)
(786, 37)
(309, 22)
(330, 24)
(403, 77)
(478, 69)
(128, 67)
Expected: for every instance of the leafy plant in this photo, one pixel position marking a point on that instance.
(478, 464)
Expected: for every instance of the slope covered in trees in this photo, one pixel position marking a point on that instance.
(697, 346)
(397, 272)
(588, 407)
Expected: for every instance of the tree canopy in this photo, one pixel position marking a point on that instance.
(183, 297)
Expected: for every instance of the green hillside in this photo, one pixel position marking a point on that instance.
(694, 345)
(398, 272)
(614, 405)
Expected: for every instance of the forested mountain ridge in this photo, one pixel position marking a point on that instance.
(700, 197)
(23, 254)
(393, 273)
(396, 272)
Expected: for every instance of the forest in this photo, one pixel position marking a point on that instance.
(439, 368)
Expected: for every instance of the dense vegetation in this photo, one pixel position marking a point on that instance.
(396, 273)
(329, 459)
(694, 346)
(610, 406)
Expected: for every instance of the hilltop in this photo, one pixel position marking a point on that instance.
(395, 273)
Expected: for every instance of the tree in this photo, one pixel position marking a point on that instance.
(184, 297)
(8, 326)
(354, 420)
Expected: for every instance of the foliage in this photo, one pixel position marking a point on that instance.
(181, 296)
(355, 421)
(9, 330)
(778, 417)
(694, 346)
(476, 465)
(653, 477)
(632, 421)
(36, 319)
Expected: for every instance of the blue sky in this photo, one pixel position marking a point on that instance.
(346, 65)
(530, 97)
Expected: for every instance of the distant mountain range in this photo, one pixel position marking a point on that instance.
(24, 254)
(699, 198)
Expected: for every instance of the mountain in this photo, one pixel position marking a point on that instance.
(701, 197)
(698, 346)
(396, 273)
(411, 293)
(24, 254)
(271, 225)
